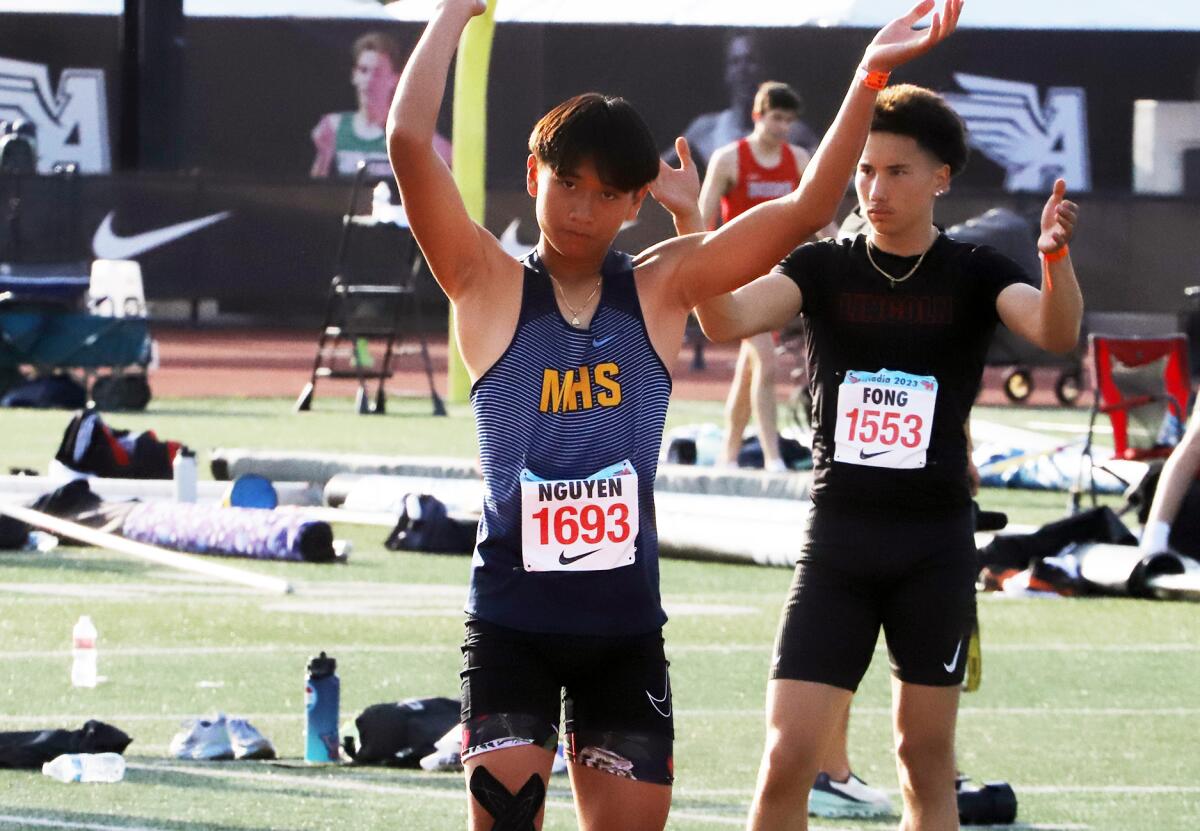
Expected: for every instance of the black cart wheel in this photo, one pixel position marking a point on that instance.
(1018, 385)
(1069, 387)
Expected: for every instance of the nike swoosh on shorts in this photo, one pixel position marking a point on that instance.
(954, 661)
(107, 245)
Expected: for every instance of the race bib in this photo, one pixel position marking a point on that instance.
(884, 418)
(580, 524)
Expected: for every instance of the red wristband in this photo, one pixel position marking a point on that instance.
(873, 79)
(1055, 256)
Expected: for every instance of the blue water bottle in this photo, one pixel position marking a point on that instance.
(321, 693)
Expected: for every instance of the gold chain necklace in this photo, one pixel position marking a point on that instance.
(575, 312)
(894, 280)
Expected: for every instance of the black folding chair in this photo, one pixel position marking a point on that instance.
(360, 316)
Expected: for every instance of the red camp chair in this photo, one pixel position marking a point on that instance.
(1142, 385)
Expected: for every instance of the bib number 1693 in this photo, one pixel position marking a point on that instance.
(590, 524)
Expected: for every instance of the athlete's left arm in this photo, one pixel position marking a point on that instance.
(1049, 318)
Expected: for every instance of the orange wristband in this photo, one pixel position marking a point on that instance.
(873, 79)
(1057, 255)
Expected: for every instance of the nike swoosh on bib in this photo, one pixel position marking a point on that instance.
(862, 454)
(107, 245)
(563, 559)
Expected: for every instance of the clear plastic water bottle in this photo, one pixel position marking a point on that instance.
(86, 767)
(184, 470)
(322, 691)
(83, 653)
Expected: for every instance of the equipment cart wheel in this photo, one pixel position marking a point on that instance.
(1069, 387)
(1018, 385)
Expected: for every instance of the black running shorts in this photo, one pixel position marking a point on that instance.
(615, 694)
(913, 577)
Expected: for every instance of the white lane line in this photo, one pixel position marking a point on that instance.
(47, 822)
(679, 649)
(560, 801)
(699, 712)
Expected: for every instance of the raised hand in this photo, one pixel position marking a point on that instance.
(678, 188)
(472, 8)
(898, 42)
(1058, 220)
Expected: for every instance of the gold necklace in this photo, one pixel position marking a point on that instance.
(894, 280)
(575, 312)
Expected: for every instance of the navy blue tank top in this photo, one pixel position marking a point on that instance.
(531, 413)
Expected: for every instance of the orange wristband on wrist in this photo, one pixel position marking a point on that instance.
(873, 79)
(1055, 256)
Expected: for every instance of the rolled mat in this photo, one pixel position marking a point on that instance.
(230, 532)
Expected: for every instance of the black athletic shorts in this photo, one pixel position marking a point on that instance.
(914, 577)
(614, 691)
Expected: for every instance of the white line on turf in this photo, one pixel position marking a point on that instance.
(47, 822)
(679, 649)
(559, 802)
(685, 713)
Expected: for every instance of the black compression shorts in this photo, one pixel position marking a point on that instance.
(615, 694)
(913, 577)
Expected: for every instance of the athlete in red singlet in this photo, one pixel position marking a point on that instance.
(756, 169)
(755, 182)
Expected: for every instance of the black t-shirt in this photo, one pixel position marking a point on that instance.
(939, 322)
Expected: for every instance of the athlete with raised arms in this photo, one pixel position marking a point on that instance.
(568, 353)
(898, 322)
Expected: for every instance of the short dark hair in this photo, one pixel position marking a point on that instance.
(384, 44)
(603, 129)
(776, 95)
(924, 116)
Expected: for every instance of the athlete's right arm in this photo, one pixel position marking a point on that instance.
(456, 248)
(720, 177)
(765, 305)
(756, 240)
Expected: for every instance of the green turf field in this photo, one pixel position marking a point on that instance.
(1089, 707)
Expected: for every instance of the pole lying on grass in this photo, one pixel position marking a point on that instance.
(152, 553)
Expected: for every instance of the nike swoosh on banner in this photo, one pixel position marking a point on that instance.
(107, 245)
(954, 661)
(566, 561)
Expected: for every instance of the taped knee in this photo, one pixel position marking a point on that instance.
(642, 757)
(512, 811)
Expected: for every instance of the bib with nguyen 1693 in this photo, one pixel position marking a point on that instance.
(580, 524)
(884, 418)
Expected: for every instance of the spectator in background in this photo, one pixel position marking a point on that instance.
(344, 139)
(1174, 519)
(744, 71)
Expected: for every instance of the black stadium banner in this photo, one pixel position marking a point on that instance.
(275, 109)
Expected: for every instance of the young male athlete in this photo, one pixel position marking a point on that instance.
(898, 324)
(740, 175)
(568, 352)
(745, 173)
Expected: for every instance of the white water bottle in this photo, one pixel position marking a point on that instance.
(83, 652)
(86, 767)
(184, 475)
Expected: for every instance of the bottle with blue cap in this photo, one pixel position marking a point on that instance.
(322, 691)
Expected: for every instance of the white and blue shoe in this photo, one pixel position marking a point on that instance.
(852, 798)
(203, 740)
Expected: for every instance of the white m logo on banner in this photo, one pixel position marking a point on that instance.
(72, 122)
(1034, 144)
